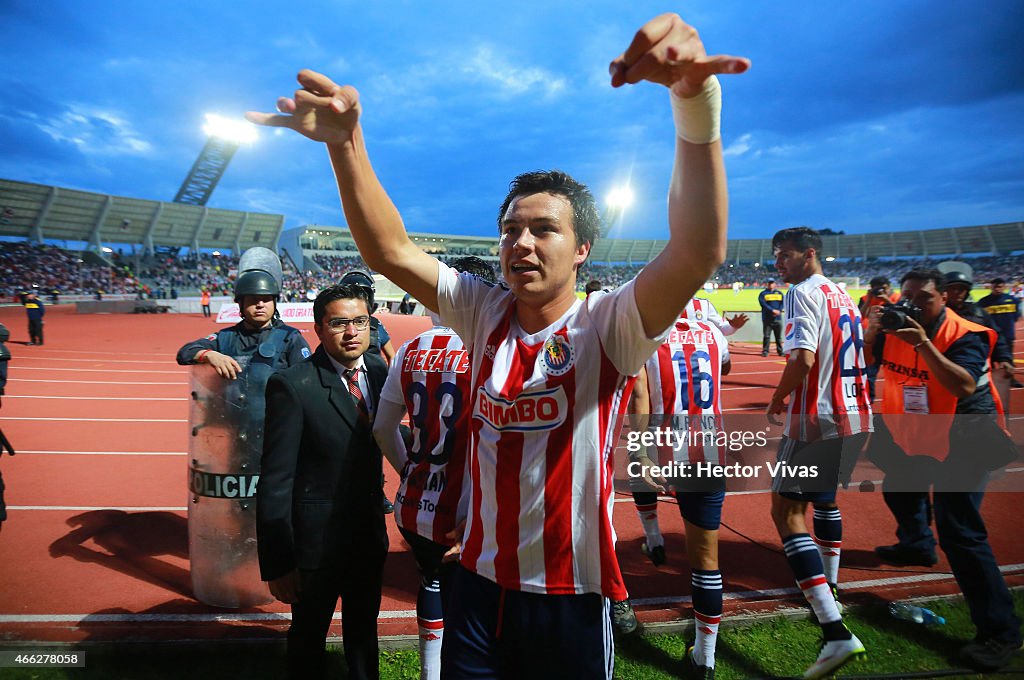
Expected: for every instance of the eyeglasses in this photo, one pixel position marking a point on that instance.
(360, 323)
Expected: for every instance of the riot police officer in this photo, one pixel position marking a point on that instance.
(260, 338)
(230, 409)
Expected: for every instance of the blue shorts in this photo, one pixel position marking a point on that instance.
(491, 632)
(830, 460)
(701, 508)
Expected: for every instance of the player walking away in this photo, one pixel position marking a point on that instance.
(699, 309)
(551, 373)
(827, 421)
(429, 379)
(681, 388)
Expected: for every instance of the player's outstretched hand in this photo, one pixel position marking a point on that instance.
(668, 51)
(738, 321)
(321, 110)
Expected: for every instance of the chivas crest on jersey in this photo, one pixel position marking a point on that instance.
(558, 356)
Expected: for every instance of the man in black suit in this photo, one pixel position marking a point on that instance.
(320, 523)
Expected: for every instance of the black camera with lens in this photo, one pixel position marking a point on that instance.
(895, 315)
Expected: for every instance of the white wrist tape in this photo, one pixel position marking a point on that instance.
(698, 118)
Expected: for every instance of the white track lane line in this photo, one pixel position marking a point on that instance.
(80, 508)
(105, 453)
(845, 586)
(94, 382)
(114, 354)
(112, 361)
(411, 613)
(105, 420)
(40, 396)
(97, 370)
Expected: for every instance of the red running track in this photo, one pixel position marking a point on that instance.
(96, 544)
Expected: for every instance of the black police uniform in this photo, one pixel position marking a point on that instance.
(286, 343)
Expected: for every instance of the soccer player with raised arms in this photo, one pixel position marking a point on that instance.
(551, 374)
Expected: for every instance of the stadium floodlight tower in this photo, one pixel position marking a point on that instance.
(225, 135)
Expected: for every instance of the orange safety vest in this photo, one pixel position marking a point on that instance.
(205, 298)
(921, 434)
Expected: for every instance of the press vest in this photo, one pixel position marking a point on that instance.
(927, 434)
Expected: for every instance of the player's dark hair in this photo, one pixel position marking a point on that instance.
(803, 238)
(585, 217)
(471, 264)
(924, 276)
(341, 291)
(879, 281)
(592, 286)
(998, 282)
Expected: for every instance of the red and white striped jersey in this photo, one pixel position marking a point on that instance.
(430, 375)
(833, 399)
(700, 309)
(547, 410)
(684, 378)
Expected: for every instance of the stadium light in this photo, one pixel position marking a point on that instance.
(620, 198)
(224, 136)
(230, 129)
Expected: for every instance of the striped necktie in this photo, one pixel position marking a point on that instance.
(352, 376)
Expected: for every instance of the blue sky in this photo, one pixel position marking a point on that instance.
(867, 116)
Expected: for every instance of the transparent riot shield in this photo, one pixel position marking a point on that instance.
(224, 460)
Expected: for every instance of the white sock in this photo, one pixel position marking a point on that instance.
(431, 634)
(707, 636)
(649, 520)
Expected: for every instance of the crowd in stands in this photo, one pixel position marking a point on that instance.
(1008, 267)
(167, 276)
(25, 265)
(55, 271)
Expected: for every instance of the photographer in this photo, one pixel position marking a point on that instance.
(937, 366)
(880, 293)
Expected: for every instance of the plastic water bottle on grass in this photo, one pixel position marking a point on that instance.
(909, 612)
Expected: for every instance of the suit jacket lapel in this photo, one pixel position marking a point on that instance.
(337, 395)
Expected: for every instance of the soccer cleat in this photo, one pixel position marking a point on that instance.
(388, 506)
(833, 655)
(656, 554)
(764, 353)
(990, 654)
(695, 671)
(623, 617)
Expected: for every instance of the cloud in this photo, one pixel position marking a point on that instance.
(488, 67)
(95, 131)
(739, 147)
(299, 43)
(434, 79)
